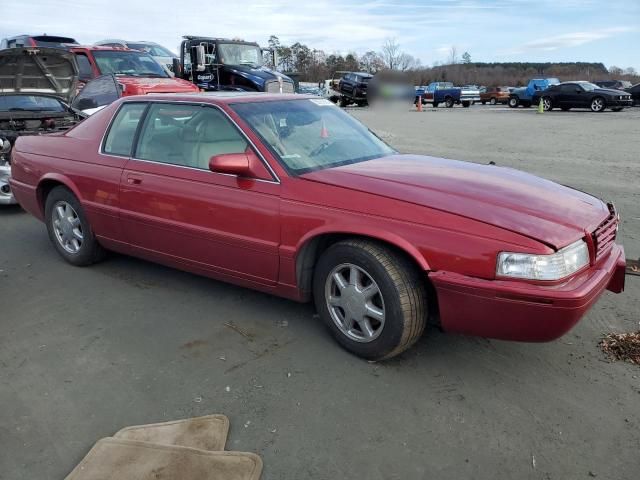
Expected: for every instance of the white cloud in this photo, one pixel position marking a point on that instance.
(569, 40)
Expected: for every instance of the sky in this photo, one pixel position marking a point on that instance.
(490, 30)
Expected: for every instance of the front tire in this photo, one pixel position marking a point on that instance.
(372, 299)
(493, 101)
(598, 105)
(466, 104)
(448, 102)
(69, 229)
(547, 105)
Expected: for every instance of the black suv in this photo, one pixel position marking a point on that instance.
(45, 40)
(353, 88)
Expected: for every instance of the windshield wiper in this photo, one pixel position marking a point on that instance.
(20, 109)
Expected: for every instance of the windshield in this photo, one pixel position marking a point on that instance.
(588, 86)
(240, 54)
(133, 64)
(311, 134)
(29, 103)
(153, 50)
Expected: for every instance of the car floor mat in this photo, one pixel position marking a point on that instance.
(118, 459)
(205, 433)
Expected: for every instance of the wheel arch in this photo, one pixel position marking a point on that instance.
(48, 183)
(312, 245)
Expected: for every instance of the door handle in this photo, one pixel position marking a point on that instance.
(131, 180)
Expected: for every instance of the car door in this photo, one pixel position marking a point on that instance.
(173, 208)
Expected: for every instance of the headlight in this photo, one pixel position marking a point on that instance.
(544, 267)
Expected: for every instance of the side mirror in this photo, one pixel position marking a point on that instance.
(231, 163)
(200, 62)
(578, 90)
(177, 69)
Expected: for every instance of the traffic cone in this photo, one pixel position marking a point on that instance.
(540, 106)
(324, 133)
(419, 104)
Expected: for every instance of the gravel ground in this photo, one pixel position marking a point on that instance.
(84, 352)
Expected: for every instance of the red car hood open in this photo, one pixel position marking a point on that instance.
(504, 197)
(157, 85)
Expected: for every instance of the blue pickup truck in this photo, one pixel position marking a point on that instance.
(444, 92)
(524, 95)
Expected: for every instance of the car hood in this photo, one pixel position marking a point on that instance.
(157, 85)
(37, 70)
(610, 91)
(262, 73)
(507, 198)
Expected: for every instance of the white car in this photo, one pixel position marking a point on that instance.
(161, 54)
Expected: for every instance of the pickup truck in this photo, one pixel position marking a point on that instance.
(352, 88)
(524, 95)
(444, 92)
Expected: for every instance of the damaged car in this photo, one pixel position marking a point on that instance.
(36, 86)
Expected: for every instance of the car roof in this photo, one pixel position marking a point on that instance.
(101, 48)
(220, 97)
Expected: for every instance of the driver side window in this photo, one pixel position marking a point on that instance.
(187, 135)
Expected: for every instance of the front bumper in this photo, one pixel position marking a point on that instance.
(522, 311)
(6, 194)
(619, 103)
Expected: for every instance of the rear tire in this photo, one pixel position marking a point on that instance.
(514, 102)
(356, 278)
(466, 104)
(484, 102)
(69, 229)
(343, 102)
(448, 102)
(435, 104)
(493, 101)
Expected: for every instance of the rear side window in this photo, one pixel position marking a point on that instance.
(84, 67)
(98, 92)
(120, 138)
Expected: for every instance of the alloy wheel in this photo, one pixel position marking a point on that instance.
(355, 303)
(546, 103)
(67, 227)
(597, 104)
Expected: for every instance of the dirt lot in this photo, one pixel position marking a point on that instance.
(84, 352)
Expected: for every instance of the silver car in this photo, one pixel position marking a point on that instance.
(161, 54)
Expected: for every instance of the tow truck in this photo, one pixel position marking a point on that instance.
(215, 64)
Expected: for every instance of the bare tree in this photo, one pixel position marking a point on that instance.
(453, 55)
(406, 62)
(391, 53)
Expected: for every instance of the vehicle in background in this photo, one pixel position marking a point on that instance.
(36, 85)
(52, 41)
(614, 84)
(137, 73)
(294, 197)
(161, 54)
(469, 95)
(443, 92)
(214, 64)
(331, 86)
(568, 95)
(310, 90)
(523, 96)
(352, 88)
(495, 95)
(635, 94)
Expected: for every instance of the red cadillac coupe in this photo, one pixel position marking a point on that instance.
(290, 195)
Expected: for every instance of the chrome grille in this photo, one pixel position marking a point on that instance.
(274, 87)
(605, 234)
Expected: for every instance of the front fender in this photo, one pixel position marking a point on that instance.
(364, 231)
